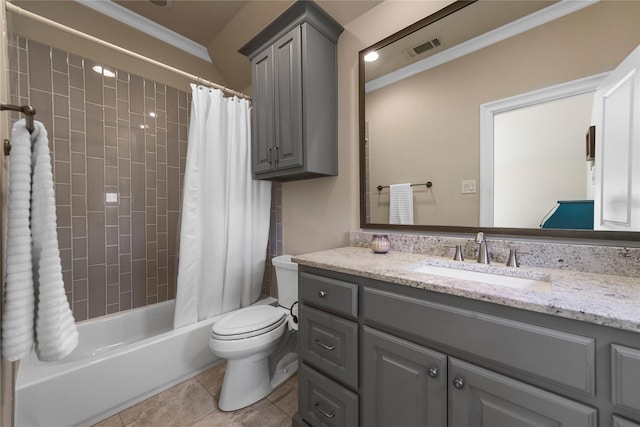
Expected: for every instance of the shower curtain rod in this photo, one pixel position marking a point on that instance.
(16, 9)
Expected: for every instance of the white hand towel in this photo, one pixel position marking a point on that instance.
(19, 298)
(400, 204)
(32, 250)
(56, 332)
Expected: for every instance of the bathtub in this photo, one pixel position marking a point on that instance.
(121, 360)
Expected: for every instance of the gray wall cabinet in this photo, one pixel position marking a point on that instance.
(295, 111)
(410, 357)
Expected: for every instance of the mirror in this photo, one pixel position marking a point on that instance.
(421, 104)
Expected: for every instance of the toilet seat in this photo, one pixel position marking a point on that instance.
(248, 322)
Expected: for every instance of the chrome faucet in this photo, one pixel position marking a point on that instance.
(483, 251)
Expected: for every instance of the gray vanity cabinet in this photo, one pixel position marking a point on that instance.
(328, 352)
(410, 357)
(482, 398)
(294, 76)
(409, 385)
(404, 384)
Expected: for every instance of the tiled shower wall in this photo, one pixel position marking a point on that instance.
(123, 137)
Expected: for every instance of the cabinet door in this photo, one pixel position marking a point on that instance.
(481, 398)
(288, 101)
(330, 344)
(263, 131)
(325, 403)
(403, 384)
(625, 377)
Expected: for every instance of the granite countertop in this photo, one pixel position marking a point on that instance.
(597, 298)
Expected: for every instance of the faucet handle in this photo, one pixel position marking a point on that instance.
(512, 261)
(458, 255)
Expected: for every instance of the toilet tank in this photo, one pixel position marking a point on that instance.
(287, 277)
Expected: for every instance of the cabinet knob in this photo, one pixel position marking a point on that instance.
(323, 412)
(458, 382)
(322, 294)
(433, 372)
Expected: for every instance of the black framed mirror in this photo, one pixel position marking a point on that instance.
(399, 94)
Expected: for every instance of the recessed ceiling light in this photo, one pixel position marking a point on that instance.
(371, 56)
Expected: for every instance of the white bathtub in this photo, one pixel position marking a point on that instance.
(121, 359)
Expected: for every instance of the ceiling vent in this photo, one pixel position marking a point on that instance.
(414, 51)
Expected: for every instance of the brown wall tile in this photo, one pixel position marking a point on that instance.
(122, 255)
(97, 291)
(95, 130)
(138, 235)
(96, 236)
(139, 283)
(92, 83)
(39, 66)
(95, 184)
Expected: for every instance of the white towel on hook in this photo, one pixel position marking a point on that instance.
(400, 204)
(56, 334)
(19, 297)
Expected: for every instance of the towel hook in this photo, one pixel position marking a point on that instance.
(28, 111)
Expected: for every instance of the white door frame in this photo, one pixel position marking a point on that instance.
(490, 109)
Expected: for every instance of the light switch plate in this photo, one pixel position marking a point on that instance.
(469, 187)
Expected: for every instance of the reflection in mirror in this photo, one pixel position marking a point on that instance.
(422, 101)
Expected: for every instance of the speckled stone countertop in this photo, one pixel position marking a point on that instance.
(597, 298)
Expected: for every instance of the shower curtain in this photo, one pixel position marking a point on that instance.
(225, 213)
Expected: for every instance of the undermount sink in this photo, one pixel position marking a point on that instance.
(494, 275)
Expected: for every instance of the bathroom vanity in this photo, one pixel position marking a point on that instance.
(383, 344)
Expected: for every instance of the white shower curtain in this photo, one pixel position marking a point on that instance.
(225, 213)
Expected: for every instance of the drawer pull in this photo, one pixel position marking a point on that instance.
(458, 382)
(326, 414)
(433, 372)
(322, 294)
(321, 344)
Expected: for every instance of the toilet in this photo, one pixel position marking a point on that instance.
(259, 343)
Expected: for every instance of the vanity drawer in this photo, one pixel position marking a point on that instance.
(324, 402)
(330, 344)
(568, 359)
(328, 294)
(625, 377)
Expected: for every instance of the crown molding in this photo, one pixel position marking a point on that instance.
(548, 14)
(124, 15)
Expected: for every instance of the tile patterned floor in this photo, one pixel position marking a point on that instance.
(194, 403)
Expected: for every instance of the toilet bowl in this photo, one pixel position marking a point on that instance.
(259, 343)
